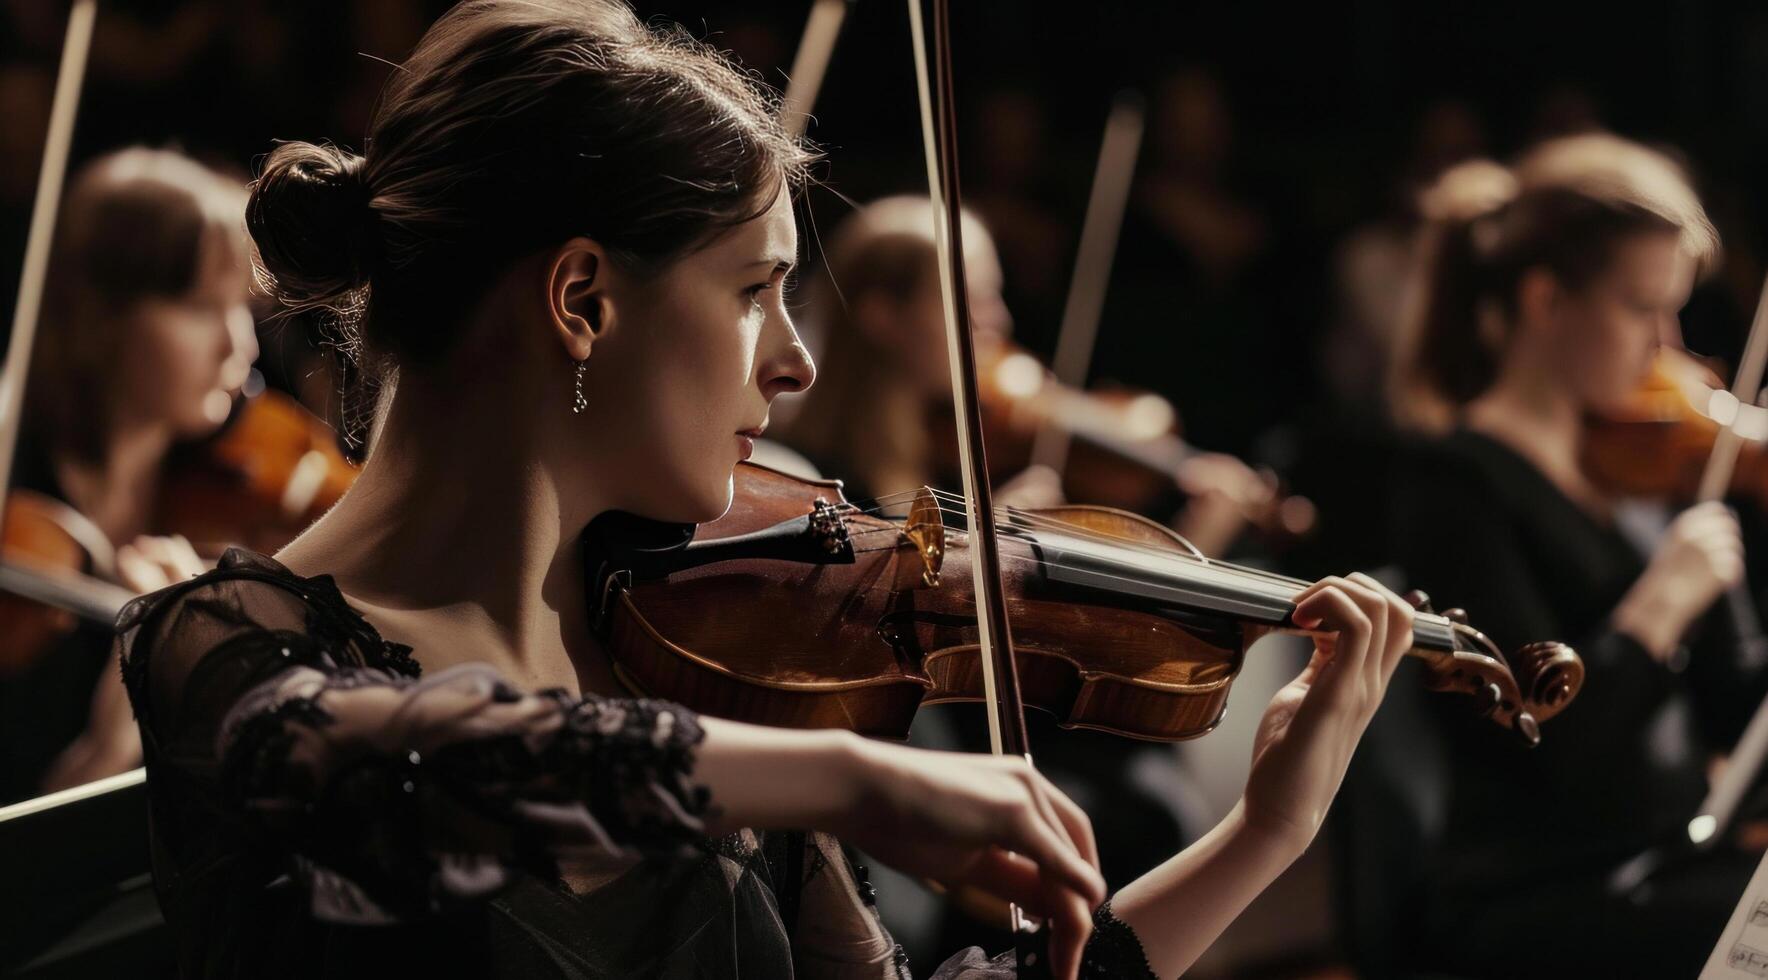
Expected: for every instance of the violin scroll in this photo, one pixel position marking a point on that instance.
(1517, 692)
(1550, 675)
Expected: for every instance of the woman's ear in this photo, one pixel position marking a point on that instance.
(577, 299)
(1538, 295)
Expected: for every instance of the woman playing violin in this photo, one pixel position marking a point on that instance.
(398, 746)
(1546, 292)
(149, 338)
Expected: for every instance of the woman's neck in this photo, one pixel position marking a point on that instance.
(1544, 423)
(453, 533)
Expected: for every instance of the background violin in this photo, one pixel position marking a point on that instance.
(271, 471)
(258, 482)
(1658, 444)
(1125, 448)
(51, 560)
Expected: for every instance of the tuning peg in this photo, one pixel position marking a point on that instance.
(1528, 729)
(1418, 599)
(1456, 615)
(1490, 696)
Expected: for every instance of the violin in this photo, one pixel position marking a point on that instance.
(271, 470)
(1658, 443)
(50, 560)
(868, 614)
(1125, 450)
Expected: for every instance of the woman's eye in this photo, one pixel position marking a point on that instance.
(754, 292)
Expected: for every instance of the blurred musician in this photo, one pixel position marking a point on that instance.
(146, 339)
(886, 385)
(1547, 289)
(883, 388)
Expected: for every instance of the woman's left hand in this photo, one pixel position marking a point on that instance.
(1312, 726)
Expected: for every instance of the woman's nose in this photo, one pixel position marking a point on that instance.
(789, 370)
(239, 349)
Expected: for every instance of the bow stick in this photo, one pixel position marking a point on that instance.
(88, 597)
(1079, 332)
(42, 232)
(1747, 757)
(811, 63)
(1000, 676)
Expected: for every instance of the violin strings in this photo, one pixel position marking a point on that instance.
(1015, 520)
(1029, 521)
(1019, 520)
(1042, 563)
(1222, 571)
(1233, 571)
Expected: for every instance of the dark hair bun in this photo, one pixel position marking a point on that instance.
(311, 217)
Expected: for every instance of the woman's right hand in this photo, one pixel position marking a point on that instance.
(965, 821)
(991, 823)
(1698, 558)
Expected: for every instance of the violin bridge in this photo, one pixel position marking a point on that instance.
(925, 529)
(829, 529)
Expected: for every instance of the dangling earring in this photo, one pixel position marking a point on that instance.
(578, 402)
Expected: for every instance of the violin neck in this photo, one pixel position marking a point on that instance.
(1182, 583)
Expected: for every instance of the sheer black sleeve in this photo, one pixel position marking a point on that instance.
(390, 794)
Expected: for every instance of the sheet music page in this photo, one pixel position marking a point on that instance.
(1742, 953)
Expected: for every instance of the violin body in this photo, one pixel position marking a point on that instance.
(272, 470)
(830, 617)
(1658, 444)
(261, 481)
(38, 541)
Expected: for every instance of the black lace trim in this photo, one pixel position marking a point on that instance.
(337, 627)
(644, 792)
(258, 751)
(348, 626)
(1114, 949)
(627, 763)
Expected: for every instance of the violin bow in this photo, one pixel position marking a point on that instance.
(1079, 332)
(1000, 675)
(1727, 792)
(821, 30)
(85, 596)
(26, 312)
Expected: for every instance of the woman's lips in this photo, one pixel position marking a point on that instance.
(746, 439)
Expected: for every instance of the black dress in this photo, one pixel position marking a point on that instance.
(321, 809)
(1522, 881)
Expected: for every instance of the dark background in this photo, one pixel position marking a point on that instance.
(1311, 125)
(1321, 107)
